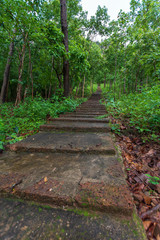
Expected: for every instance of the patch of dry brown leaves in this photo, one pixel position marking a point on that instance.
(140, 159)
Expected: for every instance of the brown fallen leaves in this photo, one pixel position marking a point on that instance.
(141, 159)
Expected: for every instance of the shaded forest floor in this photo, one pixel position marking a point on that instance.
(142, 166)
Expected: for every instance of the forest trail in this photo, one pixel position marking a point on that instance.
(72, 163)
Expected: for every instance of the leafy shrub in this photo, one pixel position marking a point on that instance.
(142, 109)
(25, 119)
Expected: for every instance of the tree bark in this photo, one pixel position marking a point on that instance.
(6, 73)
(30, 68)
(104, 80)
(84, 80)
(65, 41)
(91, 87)
(115, 77)
(21, 58)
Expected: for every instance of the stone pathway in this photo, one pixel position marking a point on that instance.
(72, 163)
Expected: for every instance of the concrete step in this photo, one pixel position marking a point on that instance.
(92, 107)
(94, 114)
(94, 182)
(78, 119)
(98, 143)
(22, 220)
(76, 126)
(76, 116)
(102, 112)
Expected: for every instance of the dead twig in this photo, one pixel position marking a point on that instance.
(150, 212)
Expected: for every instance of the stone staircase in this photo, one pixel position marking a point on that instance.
(71, 162)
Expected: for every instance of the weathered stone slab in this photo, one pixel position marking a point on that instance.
(74, 115)
(92, 108)
(85, 113)
(66, 142)
(78, 119)
(21, 220)
(102, 112)
(76, 126)
(89, 181)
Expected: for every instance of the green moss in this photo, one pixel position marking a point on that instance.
(62, 230)
(40, 209)
(82, 212)
(140, 229)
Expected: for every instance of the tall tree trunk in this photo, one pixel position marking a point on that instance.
(83, 86)
(50, 85)
(104, 80)
(110, 85)
(49, 91)
(6, 73)
(91, 88)
(115, 76)
(65, 41)
(21, 58)
(147, 80)
(124, 83)
(78, 88)
(30, 68)
(45, 92)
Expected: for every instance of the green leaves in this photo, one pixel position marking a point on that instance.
(19, 122)
(142, 110)
(153, 180)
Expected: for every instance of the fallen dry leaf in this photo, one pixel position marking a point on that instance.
(138, 197)
(147, 199)
(45, 179)
(157, 232)
(147, 224)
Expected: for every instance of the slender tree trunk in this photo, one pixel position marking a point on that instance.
(30, 67)
(124, 85)
(6, 73)
(25, 93)
(49, 91)
(65, 41)
(124, 80)
(136, 81)
(26, 87)
(104, 80)
(19, 86)
(115, 76)
(110, 85)
(83, 86)
(50, 85)
(77, 89)
(91, 86)
(45, 92)
(147, 80)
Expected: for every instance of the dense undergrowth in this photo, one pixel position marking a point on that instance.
(140, 110)
(18, 122)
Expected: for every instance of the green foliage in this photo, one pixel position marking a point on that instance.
(25, 119)
(115, 128)
(153, 180)
(142, 110)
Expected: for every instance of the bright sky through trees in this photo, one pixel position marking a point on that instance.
(113, 6)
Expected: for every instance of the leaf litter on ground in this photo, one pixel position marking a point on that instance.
(142, 164)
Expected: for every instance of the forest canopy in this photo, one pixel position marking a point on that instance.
(31, 43)
(48, 50)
